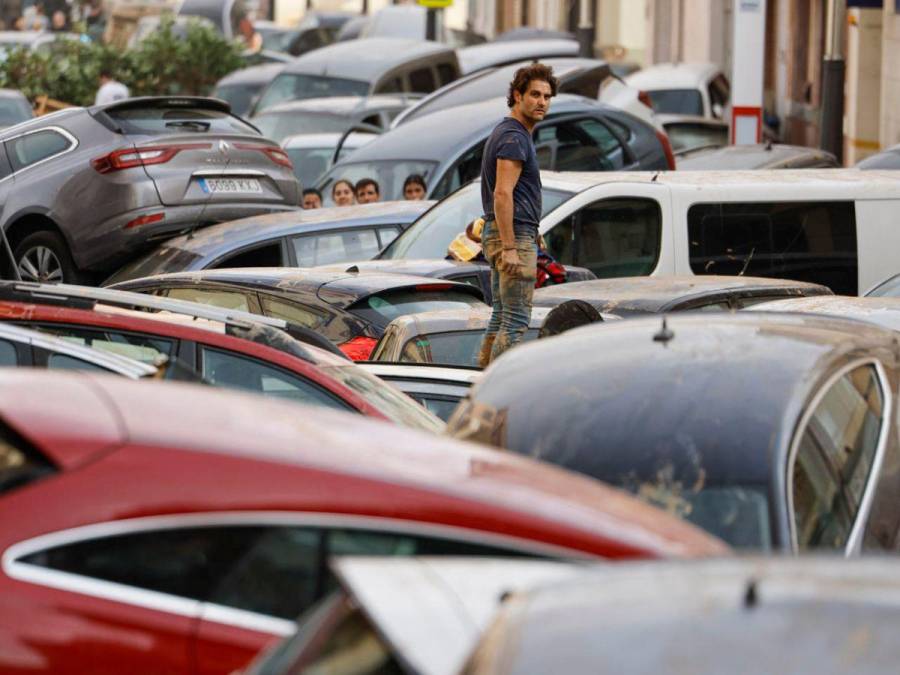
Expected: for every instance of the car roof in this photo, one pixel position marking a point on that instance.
(428, 267)
(685, 406)
(340, 289)
(816, 183)
(12, 93)
(758, 156)
(338, 105)
(216, 240)
(673, 76)
(296, 445)
(750, 615)
(354, 140)
(261, 74)
(489, 54)
(655, 294)
(364, 59)
(423, 371)
(446, 130)
(882, 311)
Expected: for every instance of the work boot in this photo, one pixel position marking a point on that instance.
(484, 354)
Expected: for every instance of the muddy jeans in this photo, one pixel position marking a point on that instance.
(512, 294)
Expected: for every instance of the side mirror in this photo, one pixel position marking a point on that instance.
(718, 110)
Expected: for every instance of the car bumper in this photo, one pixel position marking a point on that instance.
(115, 241)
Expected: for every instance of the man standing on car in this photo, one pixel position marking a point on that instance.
(511, 199)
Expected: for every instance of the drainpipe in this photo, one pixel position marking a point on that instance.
(833, 73)
(586, 32)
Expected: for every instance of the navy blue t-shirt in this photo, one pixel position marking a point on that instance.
(511, 140)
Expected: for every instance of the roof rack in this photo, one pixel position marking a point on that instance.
(254, 327)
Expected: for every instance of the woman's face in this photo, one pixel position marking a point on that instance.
(414, 191)
(342, 195)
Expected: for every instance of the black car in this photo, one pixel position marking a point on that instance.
(350, 310)
(771, 431)
(300, 238)
(630, 296)
(476, 273)
(446, 147)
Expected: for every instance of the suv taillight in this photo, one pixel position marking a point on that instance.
(129, 158)
(667, 149)
(644, 98)
(277, 155)
(359, 348)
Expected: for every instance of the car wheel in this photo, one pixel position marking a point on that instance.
(44, 257)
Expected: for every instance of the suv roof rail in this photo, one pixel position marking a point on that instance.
(254, 327)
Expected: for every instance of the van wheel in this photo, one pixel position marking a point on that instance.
(44, 257)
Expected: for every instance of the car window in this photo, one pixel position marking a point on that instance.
(163, 120)
(440, 406)
(335, 247)
(579, 145)
(421, 81)
(392, 86)
(224, 369)
(467, 168)
(310, 164)
(686, 136)
(278, 125)
(382, 308)
(560, 241)
(32, 148)
(676, 101)
(308, 317)
(446, 73)
(20, 463)
(297, 86)
(804, 241)
(387, 234)
(66, 362)
(238, 96)
(210, 296)
(13, 111)
(619, 237)
(5, 166)
(834, 458)
(269, 255)
(8, 354)
(143, 348)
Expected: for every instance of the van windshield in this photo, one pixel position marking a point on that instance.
(431, 234)
(676, 101)
(297, 86)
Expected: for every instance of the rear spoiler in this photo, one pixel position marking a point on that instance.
(140, 102)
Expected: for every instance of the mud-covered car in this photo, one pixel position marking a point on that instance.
(773, 431)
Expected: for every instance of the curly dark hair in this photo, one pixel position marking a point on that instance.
(524, 75)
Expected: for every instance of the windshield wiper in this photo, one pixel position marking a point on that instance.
(189, 124)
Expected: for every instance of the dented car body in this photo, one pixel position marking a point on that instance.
(771, 431)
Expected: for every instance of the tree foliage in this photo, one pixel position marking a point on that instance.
(162, 64)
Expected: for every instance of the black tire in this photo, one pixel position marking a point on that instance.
(44, 256)
(568, 315)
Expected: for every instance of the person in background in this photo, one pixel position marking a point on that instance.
(312, 199)
(414, 187)
(367, 191)
(110, 90)
(342, 193)
(59, 22)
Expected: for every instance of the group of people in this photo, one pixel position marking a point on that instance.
(365, 191)
(52, 15)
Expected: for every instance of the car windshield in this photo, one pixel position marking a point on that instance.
(280, 125)
(456, 348)
(159, 120)
(297, 86)
(238, 96)
(389, 174)
(382, 308)
(676, 101)
(890, 288)
(160, 261)
(395, 405)
(689, 136)
(431, 234)
(310, 164)
(13, 111)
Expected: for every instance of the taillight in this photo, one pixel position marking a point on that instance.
(277, 155)
(667, 149)
(129, 158)
(359, 348)
(433, 287)
(644, 98)
(145, 220)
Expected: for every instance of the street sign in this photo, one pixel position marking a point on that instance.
(434, 4)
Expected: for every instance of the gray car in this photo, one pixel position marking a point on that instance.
(302, 238)
(760, 156)
(85, 189)
(363, 67)
(14, 108)
(476, 57)
(241, 88)
(334, 114)
(446, 147)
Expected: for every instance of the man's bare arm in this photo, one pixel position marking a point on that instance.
(508, 172)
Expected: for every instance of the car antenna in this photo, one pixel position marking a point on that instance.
(223, 146)
(664, 335)
(12, 257)
(655, 176)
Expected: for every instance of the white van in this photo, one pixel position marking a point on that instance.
(838, 227)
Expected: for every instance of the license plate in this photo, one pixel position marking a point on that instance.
(216, 185)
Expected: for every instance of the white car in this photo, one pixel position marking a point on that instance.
(699, 89)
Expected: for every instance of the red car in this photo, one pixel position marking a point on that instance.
(163, 527)
(297, 372)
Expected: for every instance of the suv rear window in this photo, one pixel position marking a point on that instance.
(382, 308)
(805, 241)
(176, 119)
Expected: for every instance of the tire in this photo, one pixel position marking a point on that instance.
(44, 257)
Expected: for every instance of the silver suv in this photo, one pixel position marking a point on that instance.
(85, 189)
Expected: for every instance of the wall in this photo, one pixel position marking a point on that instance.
(862, 101)
(890, 77)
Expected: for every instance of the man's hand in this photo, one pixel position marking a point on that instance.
(510, 263)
